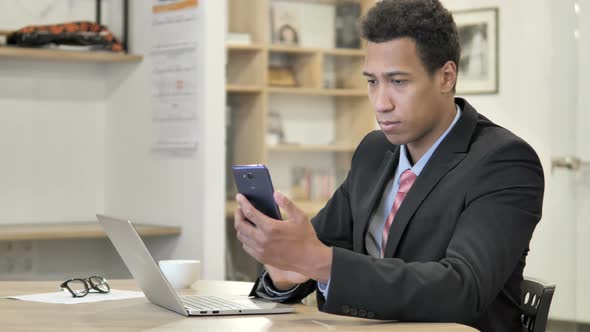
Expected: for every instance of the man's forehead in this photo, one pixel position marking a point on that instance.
(394, 57)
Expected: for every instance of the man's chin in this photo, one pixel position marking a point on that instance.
(395, 139)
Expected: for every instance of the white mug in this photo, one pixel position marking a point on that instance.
(181, 273)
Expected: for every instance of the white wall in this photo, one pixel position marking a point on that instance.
(76, 142)
(51, 132)
(52, 139)
(582, 179)
(181, 191)
(51, 136)
(537, 101)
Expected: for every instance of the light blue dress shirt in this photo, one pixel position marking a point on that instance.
(377, 222)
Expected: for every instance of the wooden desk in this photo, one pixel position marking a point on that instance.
(140, 315)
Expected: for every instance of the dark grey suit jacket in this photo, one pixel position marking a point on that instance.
(457, 246)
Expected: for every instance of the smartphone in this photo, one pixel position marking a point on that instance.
(253, 181)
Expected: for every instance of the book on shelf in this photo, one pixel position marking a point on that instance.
(346, 23)
(281, 76)
(300, 183)
(274, 131)
(313, 184)
(285, 23)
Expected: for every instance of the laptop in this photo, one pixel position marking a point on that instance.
(158, 291)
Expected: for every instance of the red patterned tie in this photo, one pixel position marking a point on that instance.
(406, 180)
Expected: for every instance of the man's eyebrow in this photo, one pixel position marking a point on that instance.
(396, 73)
(388, 74)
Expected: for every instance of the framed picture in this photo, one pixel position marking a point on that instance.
(347, 29)
(285, 23)
(478, 35)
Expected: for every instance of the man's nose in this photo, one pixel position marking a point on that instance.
(383, 102)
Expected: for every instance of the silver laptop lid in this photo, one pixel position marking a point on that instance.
(140, 263)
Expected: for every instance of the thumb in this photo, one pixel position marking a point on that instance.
(288, 206)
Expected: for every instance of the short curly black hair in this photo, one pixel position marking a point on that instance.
(427, 22)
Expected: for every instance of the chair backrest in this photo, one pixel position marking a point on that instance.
(536, 300)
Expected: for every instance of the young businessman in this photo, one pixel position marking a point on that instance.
(434, 219)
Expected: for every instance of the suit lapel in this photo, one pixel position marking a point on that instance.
(424, 184)
(449, 153)
(385, 173)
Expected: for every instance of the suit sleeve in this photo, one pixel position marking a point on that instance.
(502, 208)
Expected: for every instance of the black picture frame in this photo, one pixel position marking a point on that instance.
(479, 38)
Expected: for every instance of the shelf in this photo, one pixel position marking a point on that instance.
(65, 56)
(73, 230)
(236, 88)
(309, 148)
(320, 92)
(244, 47)
(311, 208)
(308, 50)
(292, 49)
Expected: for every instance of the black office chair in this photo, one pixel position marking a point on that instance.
(536, 300)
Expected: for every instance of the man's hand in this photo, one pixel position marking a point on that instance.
(289, 245)
(284, 280)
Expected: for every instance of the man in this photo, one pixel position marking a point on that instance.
(434, 219)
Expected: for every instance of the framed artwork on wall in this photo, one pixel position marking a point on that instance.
(478, 36)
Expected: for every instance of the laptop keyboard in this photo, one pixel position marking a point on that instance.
(213, 303)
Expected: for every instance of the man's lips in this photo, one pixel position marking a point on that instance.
(389, 125)
(388, 122)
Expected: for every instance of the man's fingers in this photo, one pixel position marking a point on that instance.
(247, 240)
(286, 204)
(240, 221)
(238, 216)
(250, 212)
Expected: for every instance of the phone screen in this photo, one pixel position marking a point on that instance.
(253, 181)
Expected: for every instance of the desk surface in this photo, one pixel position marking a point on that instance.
(140, 315)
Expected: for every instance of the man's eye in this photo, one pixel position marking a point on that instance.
(398, 82)
(372, 82)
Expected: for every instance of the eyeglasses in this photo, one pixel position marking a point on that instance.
(79, 287)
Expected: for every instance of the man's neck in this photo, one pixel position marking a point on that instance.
(419, 147)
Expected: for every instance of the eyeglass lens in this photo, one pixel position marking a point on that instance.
(77, 287)
(100, 284)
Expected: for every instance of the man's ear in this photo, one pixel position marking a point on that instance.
(448, 77)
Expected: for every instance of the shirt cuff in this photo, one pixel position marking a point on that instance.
(270, 289)
(324, 288)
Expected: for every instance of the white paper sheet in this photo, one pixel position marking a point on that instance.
(175, 54)
(66, 298)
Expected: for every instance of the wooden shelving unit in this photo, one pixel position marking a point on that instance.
(324, 76)
(319, 92)
(350, 52)
(250, 94)
(73, 230)
(237, 88)
(247, 47)
(66, 56)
